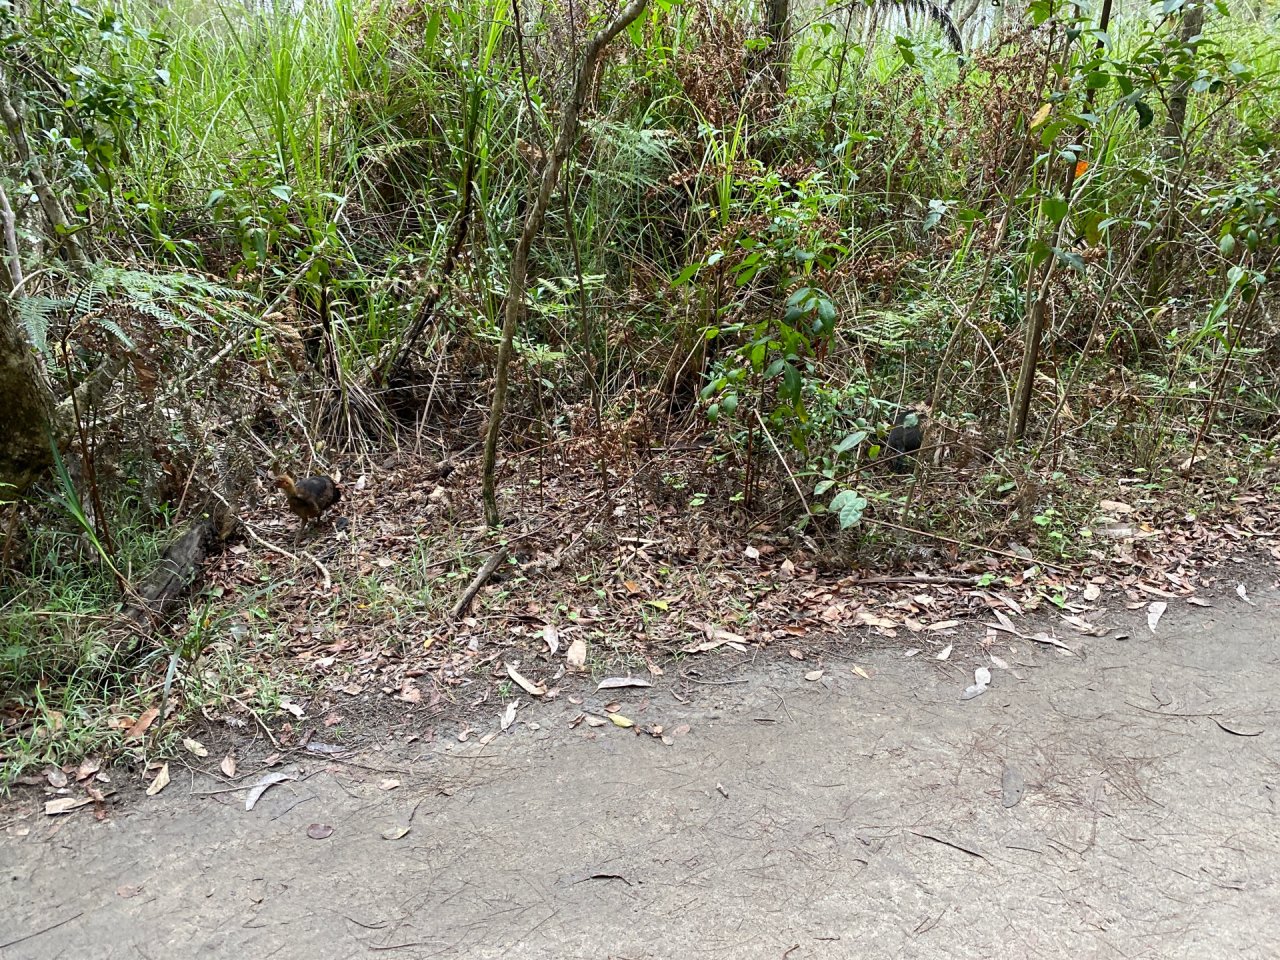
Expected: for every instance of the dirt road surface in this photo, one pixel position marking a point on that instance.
(1116, 803)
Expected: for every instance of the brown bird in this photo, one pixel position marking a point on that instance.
(309, 497)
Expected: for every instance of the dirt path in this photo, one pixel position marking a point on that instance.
(841, 817)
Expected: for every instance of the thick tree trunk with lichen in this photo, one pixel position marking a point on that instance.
(27, 409)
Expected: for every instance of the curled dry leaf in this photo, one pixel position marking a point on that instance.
(973, 690)
(509, 714)
(944, 653)
(1236, 730)
(1051, 640)
(1154, 612)
(1092, 592)
(319, 831)
(596, 721)
(551, 636)
(57, 777)
(143, 722)
(263, 785)
(395, 833)
(528, 686)
(577, 655)
(613, 683)
(88, 767)
(228, 766)
(65, 805)
(160, 782)
(1243, 594)
(195, 747)
(620, 721)
(861, 672)
(813, 675)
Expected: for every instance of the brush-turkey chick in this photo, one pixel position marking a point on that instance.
(309, 497)
(904, 440)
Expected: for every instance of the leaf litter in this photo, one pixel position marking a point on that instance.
(678, 568)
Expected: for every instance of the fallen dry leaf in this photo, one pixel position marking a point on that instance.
(263, 785)
(1154, 612)
(143, 722)
(160, 782)
(620, 721)
(813, 675)
(195, 747)
(613, 683)
(596, 721)
(551, 636)
(57, 777)
(228, 766)
(528, 686)
(65, 805)
(861, 672)
(577, 655)
(388, 784)
(944, 653)
(509, 714)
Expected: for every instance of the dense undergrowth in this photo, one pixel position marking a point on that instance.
(298, 229)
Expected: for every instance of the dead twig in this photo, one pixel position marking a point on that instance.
(479, 580)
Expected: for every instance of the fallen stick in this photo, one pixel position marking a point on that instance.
(480, 579)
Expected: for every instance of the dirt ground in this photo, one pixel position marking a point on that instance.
(1116, 803)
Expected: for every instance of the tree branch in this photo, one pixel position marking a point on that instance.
(533, 222)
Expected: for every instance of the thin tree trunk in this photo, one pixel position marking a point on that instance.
(30, 418)
(1188, 33)
(778, 25)
(532, 223)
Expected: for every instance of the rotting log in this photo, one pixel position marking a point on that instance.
(178, 571)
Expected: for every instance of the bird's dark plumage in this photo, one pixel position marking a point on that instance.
(311, 496)
(904, 440)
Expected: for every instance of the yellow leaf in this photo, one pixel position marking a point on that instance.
(620, 721)
(1041, 115)
(1081, 167)
(660, 604)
